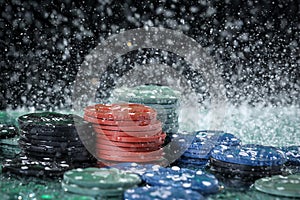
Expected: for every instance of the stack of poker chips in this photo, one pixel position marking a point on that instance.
(126, 133)
(50, 145)
(162, 98)
(175, 177)
(198, 153)
(247, 161)
(101, 183)
(9, 147)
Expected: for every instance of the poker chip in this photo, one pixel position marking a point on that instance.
(154, 138)
(200, 181)
(199, 151)
(163, 99)
(293, 155)
(126, 132)
(7, 131)
(119, 112)
(283, 186)
(149, 193)
(104, 182)
(135, 167)
(8, 141)
(152, 127)
(248, 160)
(25, 166)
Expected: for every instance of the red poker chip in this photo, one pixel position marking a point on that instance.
(155, 138)
(129, 159)
(128, 134)
(131, 154)
(134, 112)
(105, 163)
(119, 123)
(127, 149)
(130, 144)
(130, 128)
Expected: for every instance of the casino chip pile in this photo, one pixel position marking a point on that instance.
(50, 145)
(126, 133)
(199, 151)
(247, 161)
(9, 147)
(101, 183)
(283, 186)
(162, 98)
(176, 177)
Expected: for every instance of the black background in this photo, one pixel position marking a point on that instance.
(254, 43)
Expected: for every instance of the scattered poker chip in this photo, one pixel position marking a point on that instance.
(249, 161)
(198, 162)
(104, 178)
(73, 188)
(252, 155)
(200, 181)
(284, 186)
(293, 155)
(118, 112)
(160, 193)
(135, 167)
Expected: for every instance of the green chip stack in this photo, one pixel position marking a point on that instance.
(162, 98)
(102, 183)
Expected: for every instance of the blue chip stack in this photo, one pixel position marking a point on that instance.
(198, 153)
(176, 177)
(293, 158)
(248, 161)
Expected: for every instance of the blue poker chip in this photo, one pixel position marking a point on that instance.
(161, 193)
(216, 138)
(293, 154)
(250, 154)
(135, 168)
(199, 162)
(199, 181)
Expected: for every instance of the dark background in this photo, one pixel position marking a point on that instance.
(254, 43)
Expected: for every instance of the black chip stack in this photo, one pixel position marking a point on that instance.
(9, 147)
(50, 143)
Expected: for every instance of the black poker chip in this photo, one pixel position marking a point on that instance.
(50, 138)
(52, 143)
(25, 166)
(8, 131)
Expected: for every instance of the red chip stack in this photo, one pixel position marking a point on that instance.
(126, 133)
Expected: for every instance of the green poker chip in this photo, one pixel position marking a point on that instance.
(93, 191)
(287, 186)
(147, 94)
(101, 178)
